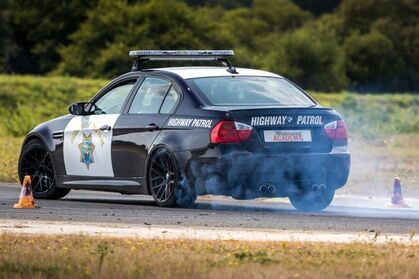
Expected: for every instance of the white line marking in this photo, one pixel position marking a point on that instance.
(201, 233)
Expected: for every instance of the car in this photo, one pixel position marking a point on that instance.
(179, 132)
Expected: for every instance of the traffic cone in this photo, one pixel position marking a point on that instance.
(397, 197)
(26, 199)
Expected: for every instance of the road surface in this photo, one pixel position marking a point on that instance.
(347, 214)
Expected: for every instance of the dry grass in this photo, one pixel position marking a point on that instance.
(9, 154)
(95, 257)
(375, 164)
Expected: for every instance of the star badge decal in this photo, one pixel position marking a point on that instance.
(86, 148)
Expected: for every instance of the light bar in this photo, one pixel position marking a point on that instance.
(180, 54)
(142, 56)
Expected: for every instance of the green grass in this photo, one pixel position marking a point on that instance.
(9, 154)
(26, 101)
(383, 127)
(26, 256)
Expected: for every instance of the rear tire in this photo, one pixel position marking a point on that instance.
(35, 161)
(312, 201)
(167, 186)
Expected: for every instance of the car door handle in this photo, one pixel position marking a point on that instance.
(105, 128)
(151, 127)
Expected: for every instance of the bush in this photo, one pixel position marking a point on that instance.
(371, 60)
(311, 58)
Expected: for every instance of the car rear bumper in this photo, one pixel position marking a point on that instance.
(245, 172)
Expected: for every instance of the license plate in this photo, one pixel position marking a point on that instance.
(287, 135)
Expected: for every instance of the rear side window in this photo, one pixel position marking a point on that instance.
(150, 95)
(249, 90)
(170, 101)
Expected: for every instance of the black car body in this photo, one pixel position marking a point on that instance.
(176, 133)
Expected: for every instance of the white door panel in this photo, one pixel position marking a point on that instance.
(87, 149)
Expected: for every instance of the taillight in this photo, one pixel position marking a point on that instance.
(336, 130)
(230, 131)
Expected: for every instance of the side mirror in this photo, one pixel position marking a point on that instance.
(81, 108)
(76, 108)
(84, 108)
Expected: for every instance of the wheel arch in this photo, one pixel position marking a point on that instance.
(42, 136)
(148, 161)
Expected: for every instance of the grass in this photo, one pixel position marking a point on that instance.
(26, 256)
(384, 128)
(26, 101)
(9, 154)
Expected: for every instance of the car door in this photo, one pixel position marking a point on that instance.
(88, 138)
(136, 130)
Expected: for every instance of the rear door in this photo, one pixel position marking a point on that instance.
(136, 129)
(88, 139)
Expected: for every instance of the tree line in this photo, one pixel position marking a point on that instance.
(366, 46)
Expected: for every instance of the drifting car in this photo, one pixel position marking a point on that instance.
(179, 132)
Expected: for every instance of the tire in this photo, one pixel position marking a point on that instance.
(168, 187)
(35, 161)
(312, 201)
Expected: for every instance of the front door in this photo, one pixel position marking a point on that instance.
(136, 130)
(88, 139)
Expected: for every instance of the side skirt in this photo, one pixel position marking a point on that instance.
(123, 185)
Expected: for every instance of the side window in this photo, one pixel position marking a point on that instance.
(170, 102)
(150, 95)
(113, 100)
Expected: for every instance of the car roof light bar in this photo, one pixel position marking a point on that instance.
(142, 56)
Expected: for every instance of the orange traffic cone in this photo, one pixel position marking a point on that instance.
(26, 199)
(397, 197)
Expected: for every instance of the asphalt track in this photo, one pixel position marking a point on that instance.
(346, 214)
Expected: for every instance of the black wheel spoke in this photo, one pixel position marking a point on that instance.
(162, 176)
(37, 163)
(158, 185)
(159, 173)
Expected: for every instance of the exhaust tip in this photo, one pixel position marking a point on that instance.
(263, 188)
(315, 187)
(271, 188)
(322, 187)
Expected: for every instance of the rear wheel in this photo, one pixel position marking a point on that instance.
(312, 200)
(165, 183)
(36, 162)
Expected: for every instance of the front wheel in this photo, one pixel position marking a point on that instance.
(36, 162)
(166, 185)
(312, 200)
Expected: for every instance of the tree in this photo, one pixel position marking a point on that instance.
(371, 61)
(311, 58)
(7, 47)
(39, 27)
(100, 46)
(279, 15)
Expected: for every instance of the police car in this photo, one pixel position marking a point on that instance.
(175, 133)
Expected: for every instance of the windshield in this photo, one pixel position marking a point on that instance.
(249, 90)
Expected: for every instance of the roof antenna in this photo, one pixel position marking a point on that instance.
(226, 63)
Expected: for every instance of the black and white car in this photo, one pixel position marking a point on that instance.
(175, 133)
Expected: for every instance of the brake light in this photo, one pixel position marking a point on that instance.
(227, 131)
(336, 130)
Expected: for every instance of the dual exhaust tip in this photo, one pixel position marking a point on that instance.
(267, 188)
(318, 187)
(270, 188)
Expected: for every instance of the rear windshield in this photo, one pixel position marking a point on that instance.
(249, 90)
